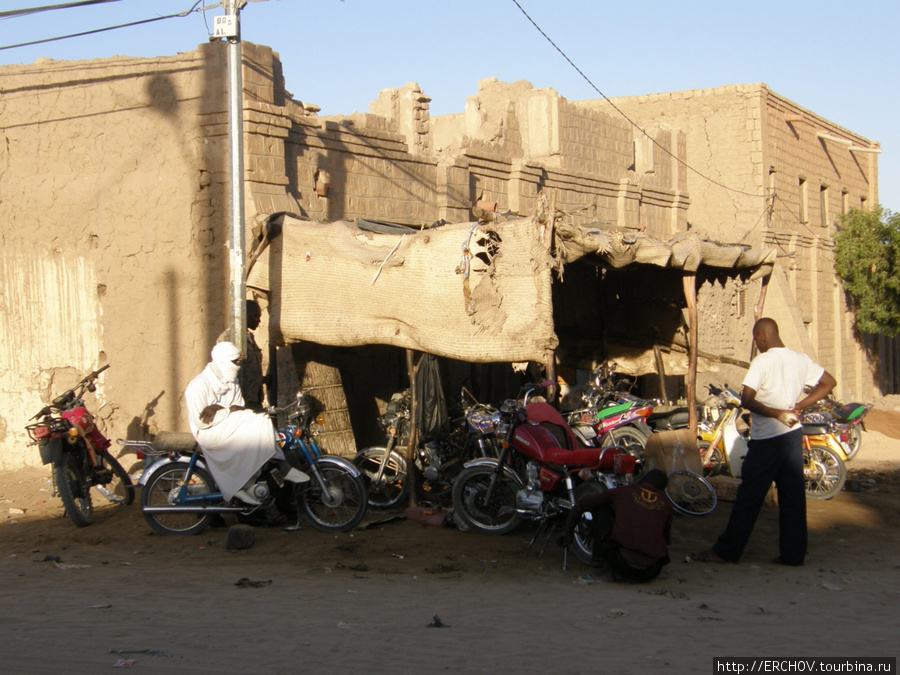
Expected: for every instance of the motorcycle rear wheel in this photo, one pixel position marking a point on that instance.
(824, 472)
(73, 489)
(499, 516)
(631, 438)
(391, 489)
(119, 490)
(855, 441)
(162, 488)
(691, 494)
(344, 504)
(583, 537)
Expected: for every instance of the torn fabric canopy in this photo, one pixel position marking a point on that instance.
(468, 291)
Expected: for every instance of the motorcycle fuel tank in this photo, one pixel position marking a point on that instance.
(537, 442)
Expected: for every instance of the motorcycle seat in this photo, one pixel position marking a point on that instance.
(174, 441)
(849, 412)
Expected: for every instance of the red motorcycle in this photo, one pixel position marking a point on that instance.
(541, 472)
(69, 440)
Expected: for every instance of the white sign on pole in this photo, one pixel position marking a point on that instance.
(225, 26)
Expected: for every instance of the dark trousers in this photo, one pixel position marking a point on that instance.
(608, 551)
(778, 459)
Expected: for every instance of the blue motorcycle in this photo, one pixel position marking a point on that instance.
(180, 497)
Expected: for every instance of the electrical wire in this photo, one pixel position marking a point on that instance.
(34, 10)
(101, 30)
(627, 118)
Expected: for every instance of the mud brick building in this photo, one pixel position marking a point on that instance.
(792, 173)
(114, 199)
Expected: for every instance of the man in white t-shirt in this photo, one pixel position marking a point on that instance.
(771, 392)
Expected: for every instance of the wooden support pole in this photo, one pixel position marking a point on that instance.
(661, 373)
(758, 310)
(550, 372)
(690, 295)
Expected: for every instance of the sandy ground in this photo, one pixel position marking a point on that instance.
(85, 600)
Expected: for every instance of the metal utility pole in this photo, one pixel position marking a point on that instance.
(229, 27)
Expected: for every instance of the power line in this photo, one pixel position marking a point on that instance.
(34, 10)
(101, 30)
(627, 118)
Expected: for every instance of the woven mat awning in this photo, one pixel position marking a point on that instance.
(477, 292)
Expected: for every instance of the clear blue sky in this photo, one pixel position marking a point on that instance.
(838, 59)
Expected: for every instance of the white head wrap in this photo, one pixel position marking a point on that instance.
(225, 352)
(223, 356)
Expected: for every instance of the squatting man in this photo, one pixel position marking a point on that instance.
(236, 442)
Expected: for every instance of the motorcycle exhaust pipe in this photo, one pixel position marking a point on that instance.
(193, 509)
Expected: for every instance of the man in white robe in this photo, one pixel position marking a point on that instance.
(236, 442)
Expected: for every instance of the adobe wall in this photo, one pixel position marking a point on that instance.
(519, 141)
(723, 130)
(113, 239)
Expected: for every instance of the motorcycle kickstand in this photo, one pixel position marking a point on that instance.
(537, 534)
(544, 524)
(551, 530)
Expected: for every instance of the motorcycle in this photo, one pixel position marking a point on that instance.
(180, 497)
(849, 421)
(68, 438)
(723, 446)
(540, 474)
(437, 461)
(612, 417)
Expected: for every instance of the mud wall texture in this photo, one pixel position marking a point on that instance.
(113, 248)
(776, 174)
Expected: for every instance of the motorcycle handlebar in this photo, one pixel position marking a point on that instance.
(97, 372)
(92, 376)
(63, 398)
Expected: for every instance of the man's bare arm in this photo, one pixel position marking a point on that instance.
(825, 386)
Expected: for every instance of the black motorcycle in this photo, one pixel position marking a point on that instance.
(438, 460)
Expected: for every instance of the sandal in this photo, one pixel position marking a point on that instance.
(707, 556)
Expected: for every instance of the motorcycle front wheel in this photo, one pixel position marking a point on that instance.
(163, 488)
(691, 494)
(583, 537)
(715, 465)
(824, 472)
(390, 489)
(497, 516)
(341, 505)
(119, 489)
(73, 489)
